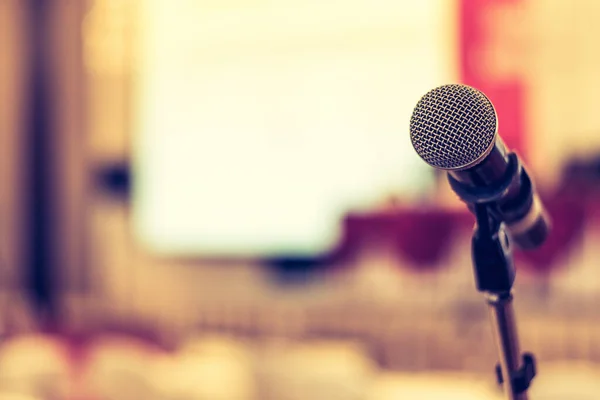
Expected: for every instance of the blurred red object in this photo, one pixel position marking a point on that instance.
(483, 39)
(568, 214)
(425, 237)
(422, 237)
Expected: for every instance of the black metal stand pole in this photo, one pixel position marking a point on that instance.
(494, 276)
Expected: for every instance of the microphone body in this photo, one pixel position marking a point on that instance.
(455, 128)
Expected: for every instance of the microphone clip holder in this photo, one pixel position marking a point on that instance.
(494, 276)
(491, 195)
(510, 200)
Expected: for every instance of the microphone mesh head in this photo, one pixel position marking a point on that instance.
(453, 127)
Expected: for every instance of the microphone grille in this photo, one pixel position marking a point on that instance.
(453, 126)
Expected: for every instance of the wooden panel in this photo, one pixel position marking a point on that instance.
(12, 87)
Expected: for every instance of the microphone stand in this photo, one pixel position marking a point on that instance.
(494, 276)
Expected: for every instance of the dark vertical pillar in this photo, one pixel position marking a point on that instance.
(39, 253)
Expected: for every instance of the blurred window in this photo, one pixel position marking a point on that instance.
(259, 124)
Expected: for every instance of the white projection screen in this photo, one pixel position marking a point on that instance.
(259, 124)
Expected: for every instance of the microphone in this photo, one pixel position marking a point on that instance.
(455, 128)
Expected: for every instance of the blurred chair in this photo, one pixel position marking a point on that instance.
(567, 380)
(36, 366)
(326, 370)
(206, 368)
(393, 386)
(216, 345)
(18, 396)
(119, 368)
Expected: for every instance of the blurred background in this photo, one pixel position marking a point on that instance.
(219, 199)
